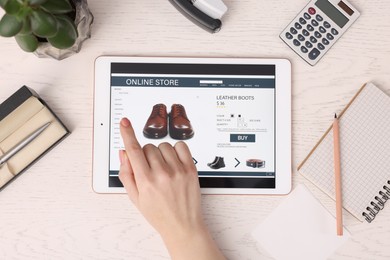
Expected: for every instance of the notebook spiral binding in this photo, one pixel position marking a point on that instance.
(378, 204)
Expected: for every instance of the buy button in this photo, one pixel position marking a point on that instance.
(242, 138)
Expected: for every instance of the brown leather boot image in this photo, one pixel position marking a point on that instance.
(179, 126)
(157, 125)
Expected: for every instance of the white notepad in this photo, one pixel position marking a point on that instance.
(300, 228)
(365, 155)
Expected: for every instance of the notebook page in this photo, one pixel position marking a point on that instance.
(365, 152)
(299, 228)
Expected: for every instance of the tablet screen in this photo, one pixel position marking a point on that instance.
(225, 113)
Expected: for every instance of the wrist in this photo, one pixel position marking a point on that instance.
(182, 234)
(192, 244)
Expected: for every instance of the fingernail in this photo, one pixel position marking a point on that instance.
(125, 122)
(121, 156)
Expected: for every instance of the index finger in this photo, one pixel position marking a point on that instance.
(133, 149)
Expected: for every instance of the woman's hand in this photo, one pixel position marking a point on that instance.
(162, 182)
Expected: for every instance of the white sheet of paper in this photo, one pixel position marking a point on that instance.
(299, 228)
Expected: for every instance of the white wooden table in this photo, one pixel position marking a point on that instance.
(51, 212)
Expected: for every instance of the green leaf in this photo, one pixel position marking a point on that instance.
(10, 26)
(3, 3)
(67, 34)
(28, 42)
(26, 29)
(57, 7)
(37, 2)
(43, 24)
(12, 7)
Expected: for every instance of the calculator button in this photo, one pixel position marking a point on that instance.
(298, 26)
(308, 44)
(322, 29)
(311, 10)
(310, 28)
(334, 31)
(302, 21)
(305, 32)
(320, 46)
(314, 22)
(289, 35)
(326, 24)
(325, 41)
(313, 39)
(329, 36)
(317, 34)
(319, 18)
(296, 42)
(301, 38)
(304, 50)
(307, 16)
(314, 54)
(293, 31)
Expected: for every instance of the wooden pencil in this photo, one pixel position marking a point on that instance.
(337, 174)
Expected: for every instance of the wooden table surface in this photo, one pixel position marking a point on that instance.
(51, 212)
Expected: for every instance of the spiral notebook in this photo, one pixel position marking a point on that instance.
(365, 155)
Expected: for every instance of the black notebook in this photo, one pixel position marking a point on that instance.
(365, 155)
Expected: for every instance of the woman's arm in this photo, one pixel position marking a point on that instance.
(163, 184)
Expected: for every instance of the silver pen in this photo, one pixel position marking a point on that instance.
(22, 144)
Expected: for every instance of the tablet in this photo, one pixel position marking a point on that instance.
(234, 114)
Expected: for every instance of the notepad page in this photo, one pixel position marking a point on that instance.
(299, 228)
(365, 152)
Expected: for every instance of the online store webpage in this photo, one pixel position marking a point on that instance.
(228, 121)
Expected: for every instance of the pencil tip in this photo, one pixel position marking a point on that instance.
(335, 115)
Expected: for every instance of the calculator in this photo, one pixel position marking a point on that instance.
(317, 27)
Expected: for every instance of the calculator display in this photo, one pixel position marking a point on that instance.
(332, 12)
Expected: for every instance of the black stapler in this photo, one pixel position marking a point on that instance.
(204, 13)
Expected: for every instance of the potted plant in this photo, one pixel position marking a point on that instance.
(54, 28)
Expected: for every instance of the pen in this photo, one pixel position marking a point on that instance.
(8, 155)
(337, 174)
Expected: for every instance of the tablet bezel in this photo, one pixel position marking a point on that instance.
(282, 120)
